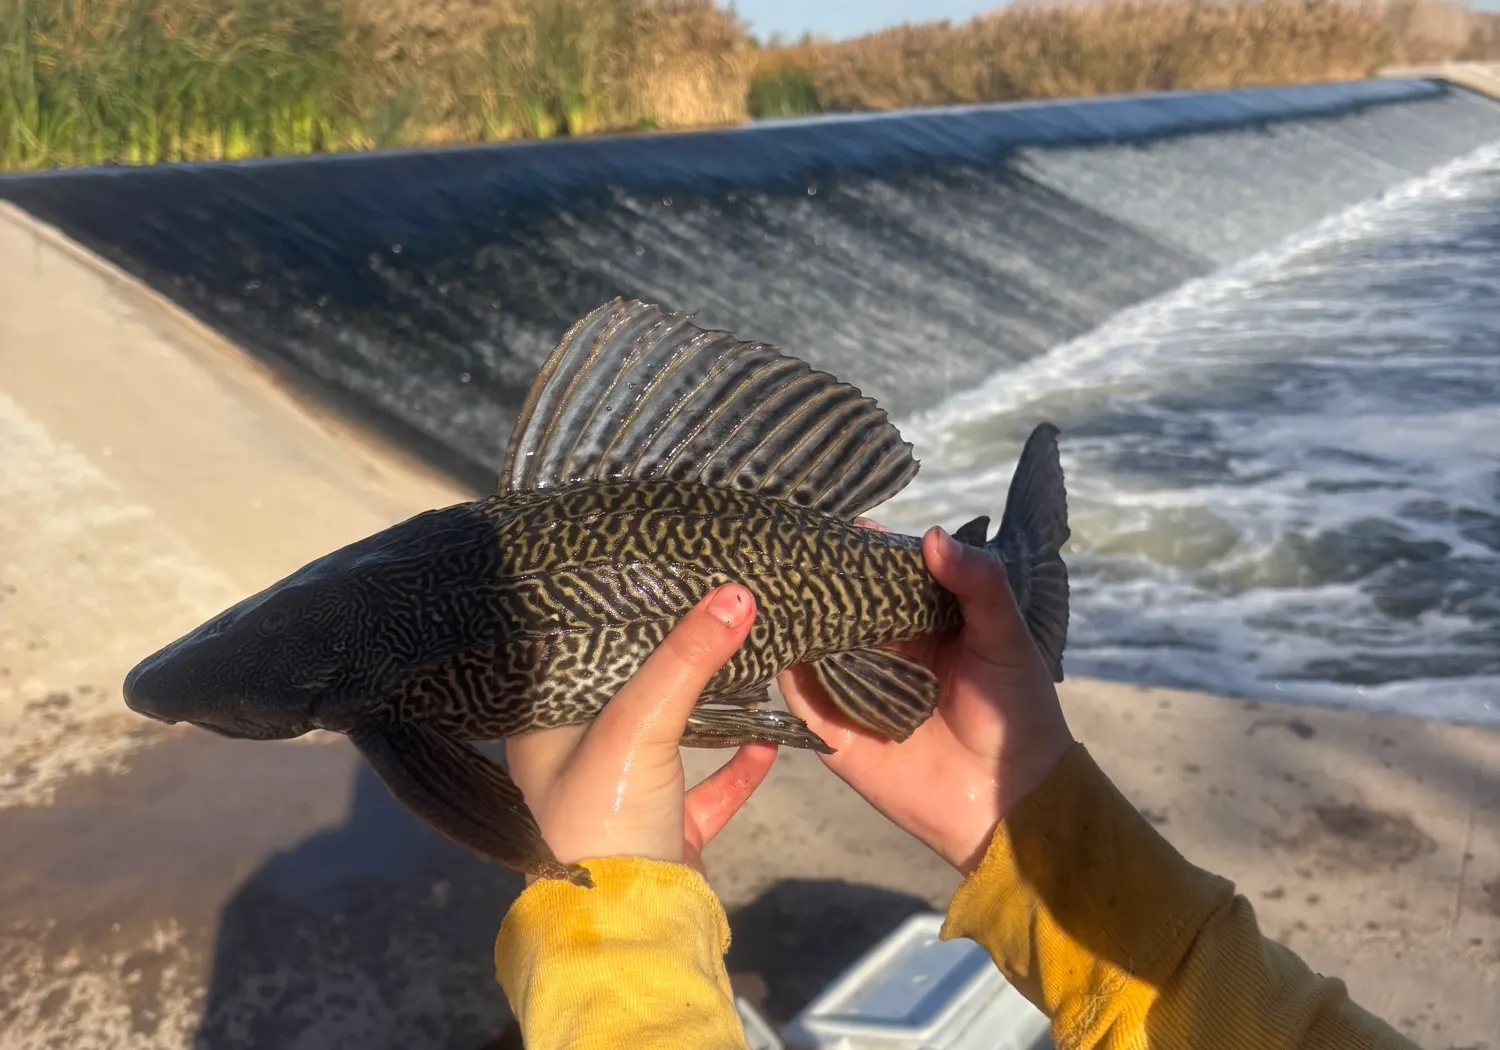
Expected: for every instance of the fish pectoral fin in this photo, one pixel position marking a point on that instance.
(752, 697)
(731, 727)
(636, 392)
(461, 794)
(881, 690)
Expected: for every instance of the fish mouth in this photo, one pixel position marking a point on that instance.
(135, 695)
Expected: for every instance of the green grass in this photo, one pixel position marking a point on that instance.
(784, 91)
(144, 81)
(141, 81)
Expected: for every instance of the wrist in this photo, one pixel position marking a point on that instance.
(974, 815)
(963, 842)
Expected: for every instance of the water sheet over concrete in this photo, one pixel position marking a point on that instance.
(912, 254)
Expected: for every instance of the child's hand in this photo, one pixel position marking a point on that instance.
(615, 787)
(997, 733)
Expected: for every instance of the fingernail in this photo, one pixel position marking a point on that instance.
(729, 605)
(947, 545)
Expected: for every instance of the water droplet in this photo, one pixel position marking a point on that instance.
(464, 377)
(812, 191)
(639, 250)
(667, 201)
(322, 300)
(396, 249)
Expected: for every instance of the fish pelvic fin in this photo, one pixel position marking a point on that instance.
(636, 392)
(462, 795)
(731, 727)
(1029, 543)
(884, 691)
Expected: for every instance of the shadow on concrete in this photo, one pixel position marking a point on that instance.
(376, 934)
(799, 935)
(379, 934)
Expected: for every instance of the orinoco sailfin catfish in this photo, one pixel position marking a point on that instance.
(652, 461)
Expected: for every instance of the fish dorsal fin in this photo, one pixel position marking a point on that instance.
(636, 392)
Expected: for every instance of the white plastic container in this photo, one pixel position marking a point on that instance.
(758, 1031)
(913, 991)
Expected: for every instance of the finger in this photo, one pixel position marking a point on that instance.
(805, 698)
(537, 759)
(654, 706)
(719, 796)
(993, 628)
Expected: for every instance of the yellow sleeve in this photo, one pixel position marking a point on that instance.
(637, 961)
(1097, 920)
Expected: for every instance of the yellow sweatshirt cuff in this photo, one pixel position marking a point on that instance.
(636, 961)
(1085, 908)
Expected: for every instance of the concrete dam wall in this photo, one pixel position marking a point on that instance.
(913, 254)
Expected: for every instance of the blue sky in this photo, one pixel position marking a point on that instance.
(840, 18)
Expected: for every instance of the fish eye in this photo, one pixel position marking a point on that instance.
(272, 623)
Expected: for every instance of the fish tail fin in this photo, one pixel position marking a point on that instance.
(1029, 543)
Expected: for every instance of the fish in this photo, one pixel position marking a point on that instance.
(651, 461)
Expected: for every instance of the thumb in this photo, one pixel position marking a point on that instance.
(654, 706)
(993, 628)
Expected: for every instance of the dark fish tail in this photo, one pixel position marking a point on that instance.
(1029, 543)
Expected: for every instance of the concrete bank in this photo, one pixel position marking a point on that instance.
(1481, 77)
(165, 888)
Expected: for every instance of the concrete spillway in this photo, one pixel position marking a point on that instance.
(912, 254)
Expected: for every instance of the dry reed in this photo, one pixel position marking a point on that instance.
(1057, 50)
(140, 81)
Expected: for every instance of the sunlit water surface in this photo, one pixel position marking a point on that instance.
(1285, 478)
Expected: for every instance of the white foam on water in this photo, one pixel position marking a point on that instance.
(1284, 478)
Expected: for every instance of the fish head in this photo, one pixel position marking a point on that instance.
(264, 669)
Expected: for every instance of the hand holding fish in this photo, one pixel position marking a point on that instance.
(615, 787)
(997, 732)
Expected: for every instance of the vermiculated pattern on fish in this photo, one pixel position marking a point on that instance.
(652, 461)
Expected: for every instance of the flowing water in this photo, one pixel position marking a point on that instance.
(1284, 457)
(1285, 477)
